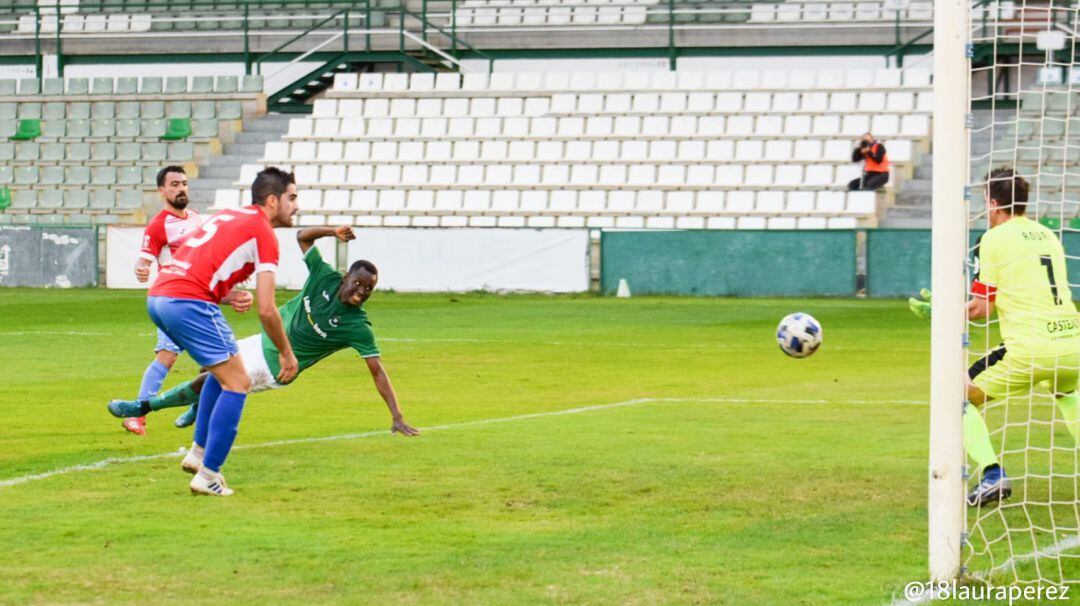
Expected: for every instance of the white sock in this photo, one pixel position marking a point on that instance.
(197, 450)
(208, 474)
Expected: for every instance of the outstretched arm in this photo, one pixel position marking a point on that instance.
(306, 237)
(386, 390)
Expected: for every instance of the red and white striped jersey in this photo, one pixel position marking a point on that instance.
(226, 250)
(167, 230)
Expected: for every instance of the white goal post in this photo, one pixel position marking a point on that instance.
(949, 286)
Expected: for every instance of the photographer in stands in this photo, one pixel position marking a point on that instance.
(871, 153)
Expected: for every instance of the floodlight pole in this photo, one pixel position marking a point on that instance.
(948, 281)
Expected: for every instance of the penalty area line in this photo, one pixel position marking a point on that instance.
(9, 482)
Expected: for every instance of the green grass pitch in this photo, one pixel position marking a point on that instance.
(728, 474)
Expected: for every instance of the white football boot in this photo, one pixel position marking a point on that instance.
(214, 485)
(192, 460)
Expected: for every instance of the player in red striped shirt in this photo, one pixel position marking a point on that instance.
(161, 239)
(183, 302)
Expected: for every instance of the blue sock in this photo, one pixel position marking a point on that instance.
(152, 380)
(210, 392)
(223, 427)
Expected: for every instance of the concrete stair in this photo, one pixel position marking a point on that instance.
(222, 171)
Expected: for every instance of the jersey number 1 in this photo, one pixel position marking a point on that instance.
(1049, 265)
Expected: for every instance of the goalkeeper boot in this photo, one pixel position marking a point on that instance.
(187, 418)
(136, 425)
(209, 483)
(994, 488)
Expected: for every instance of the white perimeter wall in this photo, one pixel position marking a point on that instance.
(551, 260)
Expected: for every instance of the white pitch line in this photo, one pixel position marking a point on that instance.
(370, 434)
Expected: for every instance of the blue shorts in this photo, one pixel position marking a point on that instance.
(196, 326)
(165, 343)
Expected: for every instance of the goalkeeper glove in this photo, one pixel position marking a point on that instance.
(921, 306)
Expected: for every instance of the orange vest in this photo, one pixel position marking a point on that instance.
(873, 166)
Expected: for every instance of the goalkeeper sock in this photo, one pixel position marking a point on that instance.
(1070, 413)
(210, 392)
(977, 438)
(181, 395)
(152, 380)
(224, 424)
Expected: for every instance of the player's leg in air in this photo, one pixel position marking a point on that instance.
(165, 356)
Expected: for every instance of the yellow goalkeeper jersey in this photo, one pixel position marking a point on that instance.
(1025, 262)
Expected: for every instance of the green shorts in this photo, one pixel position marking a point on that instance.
(1001, 374)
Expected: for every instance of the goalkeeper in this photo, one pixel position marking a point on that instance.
(325, 317)
(1020, 272)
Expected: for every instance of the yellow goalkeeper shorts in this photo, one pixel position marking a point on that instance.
(1009, 375)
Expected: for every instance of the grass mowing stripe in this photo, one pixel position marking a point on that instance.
(353, 436)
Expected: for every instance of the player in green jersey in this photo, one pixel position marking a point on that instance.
(327, 316)
(1020, 273)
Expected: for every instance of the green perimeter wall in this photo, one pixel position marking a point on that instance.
(722, 262)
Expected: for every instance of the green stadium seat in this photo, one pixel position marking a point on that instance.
(53, 152)
(26, 198)
(126, 86)
(9, 111)
(78, 86)
(152, 109)
(77, 175)
(53, 129)
(78, 111)
(52, 86)
(127, 152)
(203, 110)
(177, 129)
(106, 151)
(8, 87)
(178, 109)
(230, 110)
(128, 129)
(103, 175)
(76, 198)
(5, 198)
(102, 199)
(202, 84)
(129, 175)
(127, 110)
(7, 152)
(204, 129)
(52, 175)
(103, 129)
(30, 111)
(155, 152)
(51, 198)
(28, 130)
(129, 199)
(1051, 222)
(252, 84)
(78, 152)
(151, 86)
(8, 128)
(27, 151)
(102, 110)
(101, 86)
(226, 84)
(181, 151)
(26, 175)
(54, 111)
(78, 129)
(29, 86)
(175, 85)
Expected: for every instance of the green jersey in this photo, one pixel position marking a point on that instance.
(1025, 262)
(318, 323)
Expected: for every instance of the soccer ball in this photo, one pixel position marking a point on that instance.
(799, 335)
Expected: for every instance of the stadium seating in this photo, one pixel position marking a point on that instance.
(662, 149)
(88, 150)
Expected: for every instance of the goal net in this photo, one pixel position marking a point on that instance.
(1024, 114)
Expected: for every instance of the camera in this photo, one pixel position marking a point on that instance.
(864, 144)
